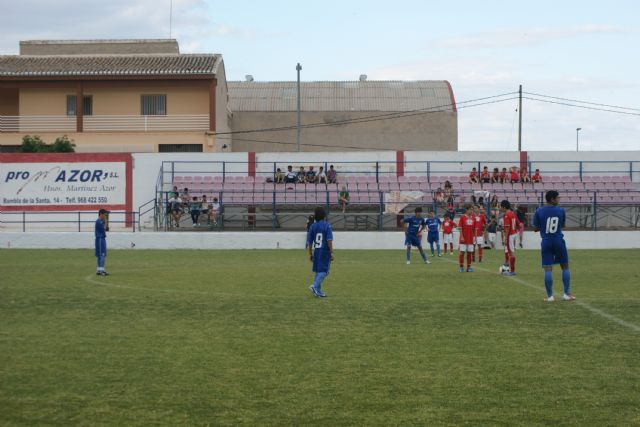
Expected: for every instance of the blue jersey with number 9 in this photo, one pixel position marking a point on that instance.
(318, 237)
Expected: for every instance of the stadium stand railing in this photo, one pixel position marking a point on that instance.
(595, 191)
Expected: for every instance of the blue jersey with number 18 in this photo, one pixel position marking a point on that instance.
(550, 220)
(318, 237)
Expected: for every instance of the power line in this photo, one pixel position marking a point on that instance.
(386, 116)
(581, 106)
(582, 102)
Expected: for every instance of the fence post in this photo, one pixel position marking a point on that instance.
(580, 170)
(273, 211)
(429, 171)
(24, 221)
(172, 174)
(78, 221)
(380, 210)
(595, 212)
(377, 171)
(224, 171)
(631, 170)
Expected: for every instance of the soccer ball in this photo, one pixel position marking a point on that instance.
(503, 269)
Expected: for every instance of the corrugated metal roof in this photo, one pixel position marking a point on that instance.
(108, 65)
(341, 96)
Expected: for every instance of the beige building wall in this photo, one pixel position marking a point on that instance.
(223, 115)
(114, 101)
(44, 102)
(425, 132)
(9, 102)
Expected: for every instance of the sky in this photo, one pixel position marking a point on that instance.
(579, 50)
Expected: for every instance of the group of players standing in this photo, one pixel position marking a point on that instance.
(472, 225)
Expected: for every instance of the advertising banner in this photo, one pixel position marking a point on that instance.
(64, 182)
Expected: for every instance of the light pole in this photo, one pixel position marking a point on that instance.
(298, 68)
(578, 138)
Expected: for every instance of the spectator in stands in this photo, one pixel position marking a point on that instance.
(485, 175)
(343, 198)
(495, 177)
(503, 176)
(279, 177)
(302, 175)
(439, 196)
(451, 211)
(215, 211)
(524, 175)
(322, 177)
(175, 207)
(494, 204)
(492, 229)
(184, 195)
(536, 176)
(473, 176)
(515, 177)
(310, 177)
(195, 209)
(332, 175)
(290, 177)
(448, 190)
(205, 207)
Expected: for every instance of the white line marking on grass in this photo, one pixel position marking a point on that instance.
(89, 279)
(592, 309)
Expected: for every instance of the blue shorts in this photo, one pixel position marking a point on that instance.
(554, 251)
(101, 247)
(412, 240)
(432, 238)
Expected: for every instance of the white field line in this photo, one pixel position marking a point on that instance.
(592, 309)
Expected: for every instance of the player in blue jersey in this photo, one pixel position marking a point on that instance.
(101, 241)
(549, 220)
(432, 224)
(320, 244)
(412, 233)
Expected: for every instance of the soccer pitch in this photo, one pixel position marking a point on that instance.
(236, 338)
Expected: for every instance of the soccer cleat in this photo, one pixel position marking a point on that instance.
(408, 262)
(313, 291)
(450, 253)
(321, 294)
(461, 270)
(550, 299)
(568, 297)
(439, 255)
(470, 270)
(508, 273)
(426, 261)
(98, 273)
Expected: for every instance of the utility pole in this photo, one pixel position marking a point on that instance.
(520, 120)
(298, 68)
(578, 138)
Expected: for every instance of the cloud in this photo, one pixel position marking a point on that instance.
(515, 37)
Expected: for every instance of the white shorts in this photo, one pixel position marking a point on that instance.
(510, 247)
(447, 238)
(492, 237)
(480, 240)
(465, 248)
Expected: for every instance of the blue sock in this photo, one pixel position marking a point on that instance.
(318, 279)
(548, 282)
(438, 246)
(424, 256)
(431, 245)
(566, 281)
(408, 254)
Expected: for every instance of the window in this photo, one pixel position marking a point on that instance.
(153, 105)
(88, 105)
(180, 148)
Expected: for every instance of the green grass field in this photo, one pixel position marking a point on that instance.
(235, 338)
